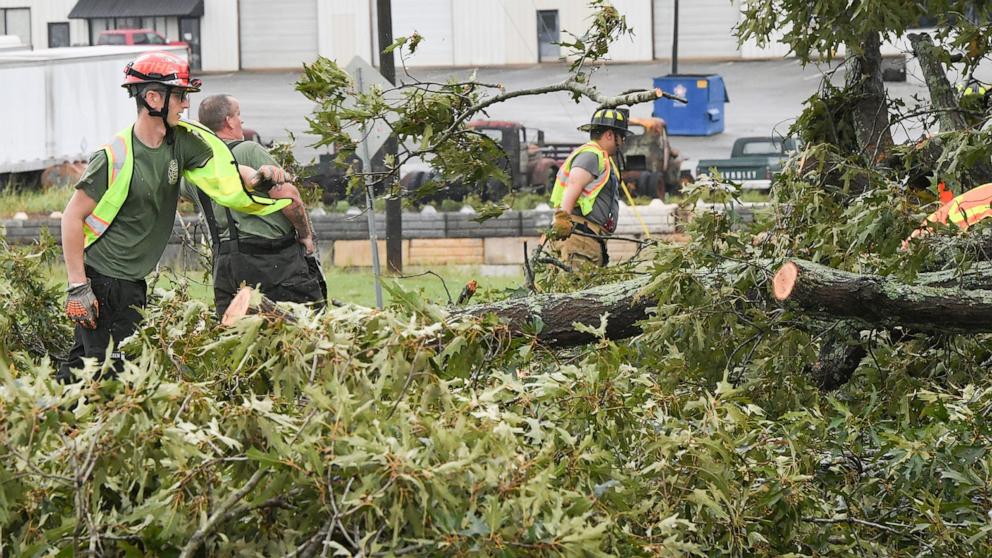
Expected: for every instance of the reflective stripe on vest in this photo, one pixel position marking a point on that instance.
(219, 178)
(587, 199)
(967, 209)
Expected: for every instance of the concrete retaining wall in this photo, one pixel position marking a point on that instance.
(430, 238)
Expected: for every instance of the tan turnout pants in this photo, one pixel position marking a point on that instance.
(578, 250)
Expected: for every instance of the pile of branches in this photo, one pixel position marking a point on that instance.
(418, 431)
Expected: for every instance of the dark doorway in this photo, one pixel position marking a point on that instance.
(58, 35)
(189, 32)
(548, 36)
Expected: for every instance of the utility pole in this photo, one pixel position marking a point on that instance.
(675, 40)
(394, 205)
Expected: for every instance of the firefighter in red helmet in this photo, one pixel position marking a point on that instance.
(120, 217)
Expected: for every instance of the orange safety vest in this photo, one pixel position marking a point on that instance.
(967, 209)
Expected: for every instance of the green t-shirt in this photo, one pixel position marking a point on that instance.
(133, 244)
(272, 226)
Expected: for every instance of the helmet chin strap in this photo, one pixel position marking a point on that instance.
(162, 113)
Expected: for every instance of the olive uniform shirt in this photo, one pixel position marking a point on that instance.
(133, 244)
(272, 226)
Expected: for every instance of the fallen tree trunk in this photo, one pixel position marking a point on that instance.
(841, 349)
(880, 302)
(558, 312)
(942, 301)
(948, 247)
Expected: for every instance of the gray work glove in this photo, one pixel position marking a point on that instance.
(82, 306)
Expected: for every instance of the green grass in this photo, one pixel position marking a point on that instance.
(35, 202)
(353, 285)
(356, 284)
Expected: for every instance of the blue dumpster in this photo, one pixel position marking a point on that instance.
(703, 115)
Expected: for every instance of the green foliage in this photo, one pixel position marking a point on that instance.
(408, 431)
(413, 431)
(817, 29)
(30, 307)
(282, 152)
(429, 120)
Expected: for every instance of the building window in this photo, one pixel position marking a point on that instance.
(16, 21)
(127, 23)
(548, 35)
(58, 34)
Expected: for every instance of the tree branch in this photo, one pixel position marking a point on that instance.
(197, 539)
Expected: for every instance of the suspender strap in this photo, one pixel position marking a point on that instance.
(208, 212)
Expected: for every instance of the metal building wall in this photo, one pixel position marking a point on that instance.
(345, 30)
(277, 35)
(50, 11)
(705, 28)
(638, 46)
(433, 20)
(219, 36)
(480, 33)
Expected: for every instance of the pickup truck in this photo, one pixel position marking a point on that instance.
(753, 161)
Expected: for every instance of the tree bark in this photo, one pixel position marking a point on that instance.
(942, 95)
(880, 302)
(557, 313)
(946, 104)
(840, 354)
(841, 349)
(948, 248)
(871, 109)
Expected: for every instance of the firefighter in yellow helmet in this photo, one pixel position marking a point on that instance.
(974, 101)
(586, 195)
(120, 217)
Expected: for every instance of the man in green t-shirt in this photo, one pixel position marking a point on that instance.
(274, 252)
(109, 251)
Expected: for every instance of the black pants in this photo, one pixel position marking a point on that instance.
(118, 317)
(283, 273)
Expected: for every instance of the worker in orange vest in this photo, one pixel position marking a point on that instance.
(963, 211)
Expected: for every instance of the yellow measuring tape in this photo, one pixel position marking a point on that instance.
(637, 214)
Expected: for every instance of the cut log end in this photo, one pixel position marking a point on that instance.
(785, 280)
(238, 308)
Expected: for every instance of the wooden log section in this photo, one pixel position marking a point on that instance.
(559, 311)
(881, 302)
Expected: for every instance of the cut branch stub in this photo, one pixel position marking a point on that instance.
(784, 281)
(242, 305)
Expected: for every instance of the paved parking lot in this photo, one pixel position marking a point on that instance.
(765, 96)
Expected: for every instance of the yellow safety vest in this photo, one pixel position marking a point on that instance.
(587, 199)
(219, 178)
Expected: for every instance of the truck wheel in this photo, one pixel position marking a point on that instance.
(647, 184)
(493, 190)
(549, 182)
(643, 184)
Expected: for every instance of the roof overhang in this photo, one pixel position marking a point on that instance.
(86, 9)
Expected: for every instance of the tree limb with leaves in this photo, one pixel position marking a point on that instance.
(428, 119)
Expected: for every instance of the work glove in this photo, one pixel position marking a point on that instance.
(562, 225)
(82, 306)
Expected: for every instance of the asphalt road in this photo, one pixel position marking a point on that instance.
(765, 97)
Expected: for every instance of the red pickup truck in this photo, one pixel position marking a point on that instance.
(128, 37)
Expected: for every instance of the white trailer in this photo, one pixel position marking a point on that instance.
(61, 104)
